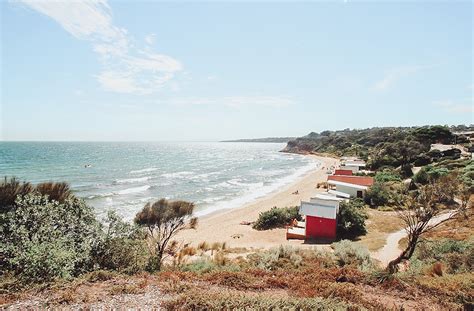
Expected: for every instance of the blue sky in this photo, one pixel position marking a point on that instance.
(158, 70)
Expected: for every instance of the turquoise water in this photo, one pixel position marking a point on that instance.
(125, 175)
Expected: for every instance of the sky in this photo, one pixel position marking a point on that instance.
(206, 71)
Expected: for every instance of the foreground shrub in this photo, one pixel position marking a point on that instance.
(228, 300)
(351, 220)
(121, 247)
(45, 240)
(350, 253)
(454, 256)
(276, 218)
(278, 257)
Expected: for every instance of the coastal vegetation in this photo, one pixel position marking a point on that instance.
(381, 147)
(351, 219)
(163, 219)
(282, 278)
(276, 218)
(49, 234)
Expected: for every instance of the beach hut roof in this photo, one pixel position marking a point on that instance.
(318, 210)
(356, 180)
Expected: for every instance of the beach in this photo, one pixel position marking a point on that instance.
(225, 226)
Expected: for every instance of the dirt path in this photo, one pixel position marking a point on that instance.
(391, 248)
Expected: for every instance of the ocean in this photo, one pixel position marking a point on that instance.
(124, 176)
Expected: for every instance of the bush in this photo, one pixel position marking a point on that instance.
(275, 258)
(377, 195)
(351, 220)
(386, 176)
(430, 173)
(45, 240)
(350, 253)
(422, 160)
(457, 256)
(227, 300)
(467, 176)
(122, 247)
(276, 218)
(406, 171)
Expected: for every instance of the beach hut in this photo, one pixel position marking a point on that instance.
(354, 186)
(320, 220)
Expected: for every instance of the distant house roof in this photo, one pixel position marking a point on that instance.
(342, 172)
(354, 186)
(356, 180)
(318, 210)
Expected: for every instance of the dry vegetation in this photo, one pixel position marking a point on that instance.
(379, 225)
(280, 278)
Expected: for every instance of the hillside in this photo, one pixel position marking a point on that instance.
(382, 146)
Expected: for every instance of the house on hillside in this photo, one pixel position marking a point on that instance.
(353, 166)
(352, 186)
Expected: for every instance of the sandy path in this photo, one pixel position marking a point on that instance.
(224, 226)
(391, 249)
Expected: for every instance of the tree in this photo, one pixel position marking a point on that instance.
(164, 219)
(351, 219)
(423, 213)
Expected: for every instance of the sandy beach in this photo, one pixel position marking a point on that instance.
(224, 226)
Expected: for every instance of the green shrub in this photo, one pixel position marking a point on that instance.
(386, 176)
(350, 253)
(45, 240)
(122, 247)
(406, 170)
(277, 257)
(422, 176)
(457, 256)
(226, 300)
(200, 266)
(351, 219)
(276, 218)
(377, 195)
(467, 176)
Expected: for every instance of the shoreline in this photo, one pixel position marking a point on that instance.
(224, 225)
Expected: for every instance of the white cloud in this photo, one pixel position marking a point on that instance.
(150, 39)
(237, 101)
(126, 68)
(456, 107)
(393, 76)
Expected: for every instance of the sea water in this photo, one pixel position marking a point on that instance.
(124, 176)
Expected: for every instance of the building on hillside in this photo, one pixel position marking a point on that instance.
(353, 166)
(320, 222)
(354, 186)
